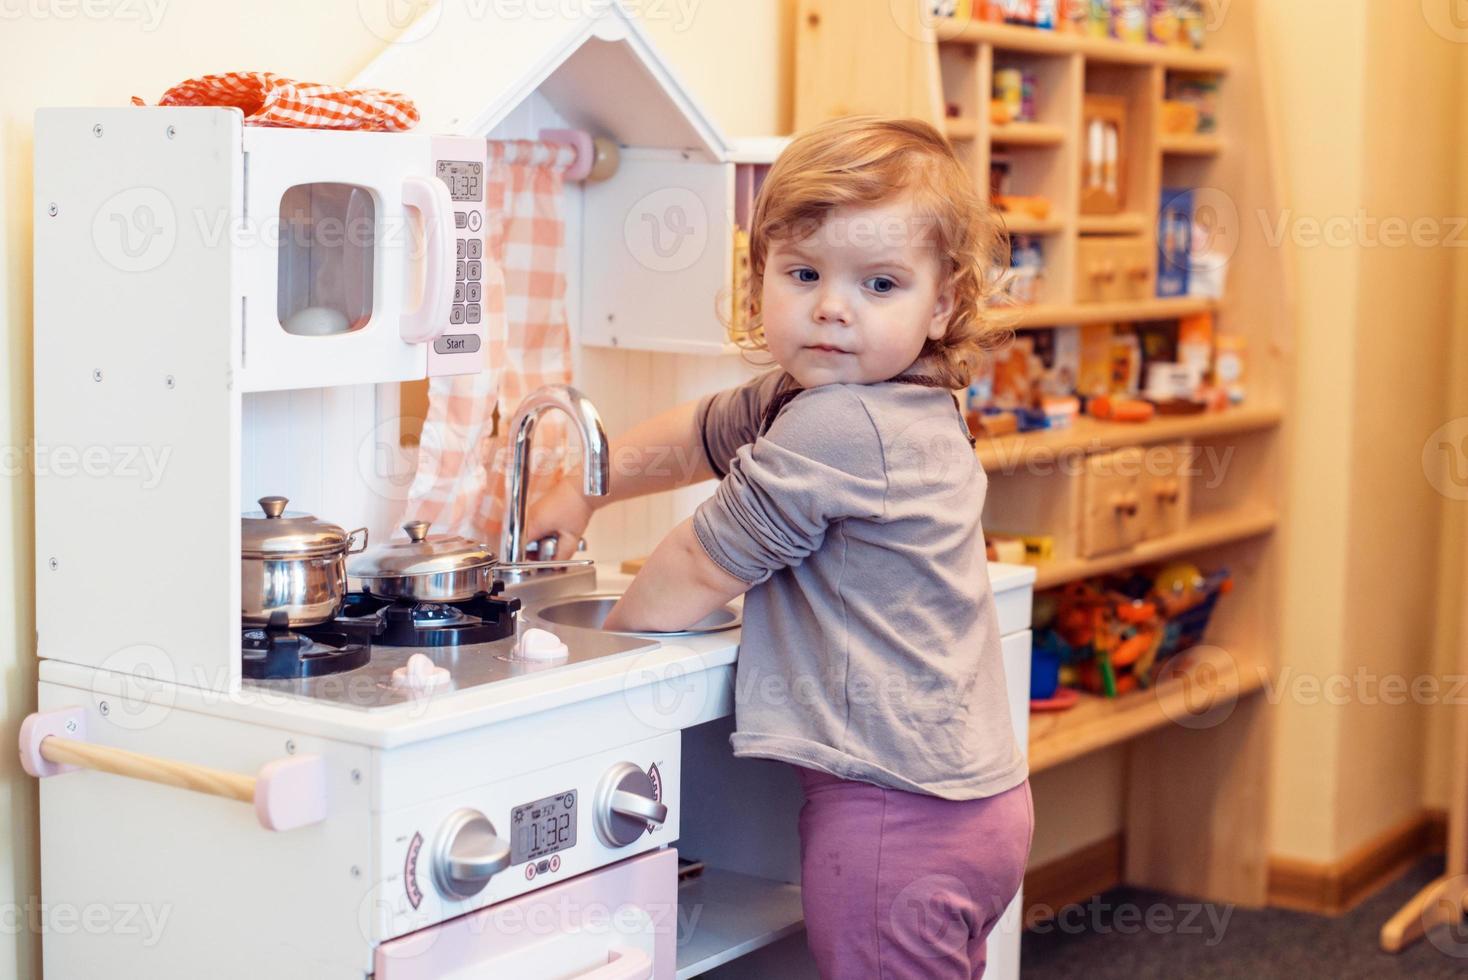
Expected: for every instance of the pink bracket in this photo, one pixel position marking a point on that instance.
(291, 792)
(585, 150)
(69, 722)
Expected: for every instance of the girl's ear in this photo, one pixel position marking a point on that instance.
(942, 310)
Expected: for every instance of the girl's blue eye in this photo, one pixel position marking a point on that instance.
(800, 274)
(881, 284)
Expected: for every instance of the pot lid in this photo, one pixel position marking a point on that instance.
(421, 554)
(275, 532)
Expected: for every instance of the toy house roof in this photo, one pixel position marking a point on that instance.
(468, 64)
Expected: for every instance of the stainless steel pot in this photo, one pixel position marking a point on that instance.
(426, 567)
(290, 562)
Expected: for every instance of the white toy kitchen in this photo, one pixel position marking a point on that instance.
(464, 780)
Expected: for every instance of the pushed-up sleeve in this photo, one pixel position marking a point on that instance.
(820, 462)
(731, 418)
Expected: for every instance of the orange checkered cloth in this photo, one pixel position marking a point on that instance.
(267, 99)
(459, 485)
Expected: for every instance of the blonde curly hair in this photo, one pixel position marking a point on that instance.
(866, 161)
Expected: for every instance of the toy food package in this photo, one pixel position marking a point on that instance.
(1174, 241)
(1095, 371)
(1195, 342)
(1016, 373)
(960, 10)
(1125, 375)
(1200, 93)
(1045, 14)
(1129, 20)
(1026, 269)
(980, 393)
(1072, 16)
(1098, 18)
(1191, 26)
(1228, 366)
(1059, 351)
(1164, 26)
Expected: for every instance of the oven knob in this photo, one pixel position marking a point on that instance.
(625, 804)
(467, 854)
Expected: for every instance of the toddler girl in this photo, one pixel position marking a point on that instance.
(847, 514)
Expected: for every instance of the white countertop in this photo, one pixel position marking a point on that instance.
(457, 711)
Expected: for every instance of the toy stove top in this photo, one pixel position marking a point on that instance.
(473, 640)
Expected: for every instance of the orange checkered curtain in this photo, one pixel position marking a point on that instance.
(459, 485)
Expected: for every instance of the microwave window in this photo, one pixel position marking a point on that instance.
(464, 179)
(325, 263)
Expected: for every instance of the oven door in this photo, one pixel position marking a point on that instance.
(617, 923)
(345, 256)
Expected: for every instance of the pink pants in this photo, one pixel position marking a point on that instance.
(905, 886)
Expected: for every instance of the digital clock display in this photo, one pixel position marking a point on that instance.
(543, 827)
(465, 179)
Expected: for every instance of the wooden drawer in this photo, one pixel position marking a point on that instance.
(1112, 269)
(1165, 489)
(1111, 502)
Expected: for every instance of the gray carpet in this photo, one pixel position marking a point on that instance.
(1111, 938)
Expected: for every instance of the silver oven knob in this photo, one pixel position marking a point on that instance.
(467, 853)
(626, 803)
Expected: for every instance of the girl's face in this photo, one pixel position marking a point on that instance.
(855, 301)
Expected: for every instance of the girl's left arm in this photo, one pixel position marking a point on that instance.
(679, 585)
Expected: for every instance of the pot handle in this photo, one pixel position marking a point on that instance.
(352, 537)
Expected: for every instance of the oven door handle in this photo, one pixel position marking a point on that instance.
(286, 793)
(622, 964)
(639, 807)
(430, 198)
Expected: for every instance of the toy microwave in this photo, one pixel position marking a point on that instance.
(331, 258)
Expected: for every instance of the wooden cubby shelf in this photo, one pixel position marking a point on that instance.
(1139, 310)
(1007, 454)
(1011, 38)
(1210, 677)
(1027, 134)
(1201, 145)
(1023, 224)
(1126, 223)
(961, 130)
(1199, 534)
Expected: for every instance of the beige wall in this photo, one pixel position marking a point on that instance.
(733, 54)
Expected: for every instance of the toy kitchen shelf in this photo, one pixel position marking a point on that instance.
(1193, 791)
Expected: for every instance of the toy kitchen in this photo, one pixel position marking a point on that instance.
(320, 753)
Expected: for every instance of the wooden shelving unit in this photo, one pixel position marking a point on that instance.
(1008, 454)
(1027, 134)
(1194, 798)
(1209, 681)
(1129, 311)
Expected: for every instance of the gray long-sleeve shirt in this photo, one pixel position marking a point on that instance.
(870, 645)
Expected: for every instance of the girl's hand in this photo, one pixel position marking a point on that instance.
(562, 511)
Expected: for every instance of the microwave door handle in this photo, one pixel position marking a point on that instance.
(430, 198)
